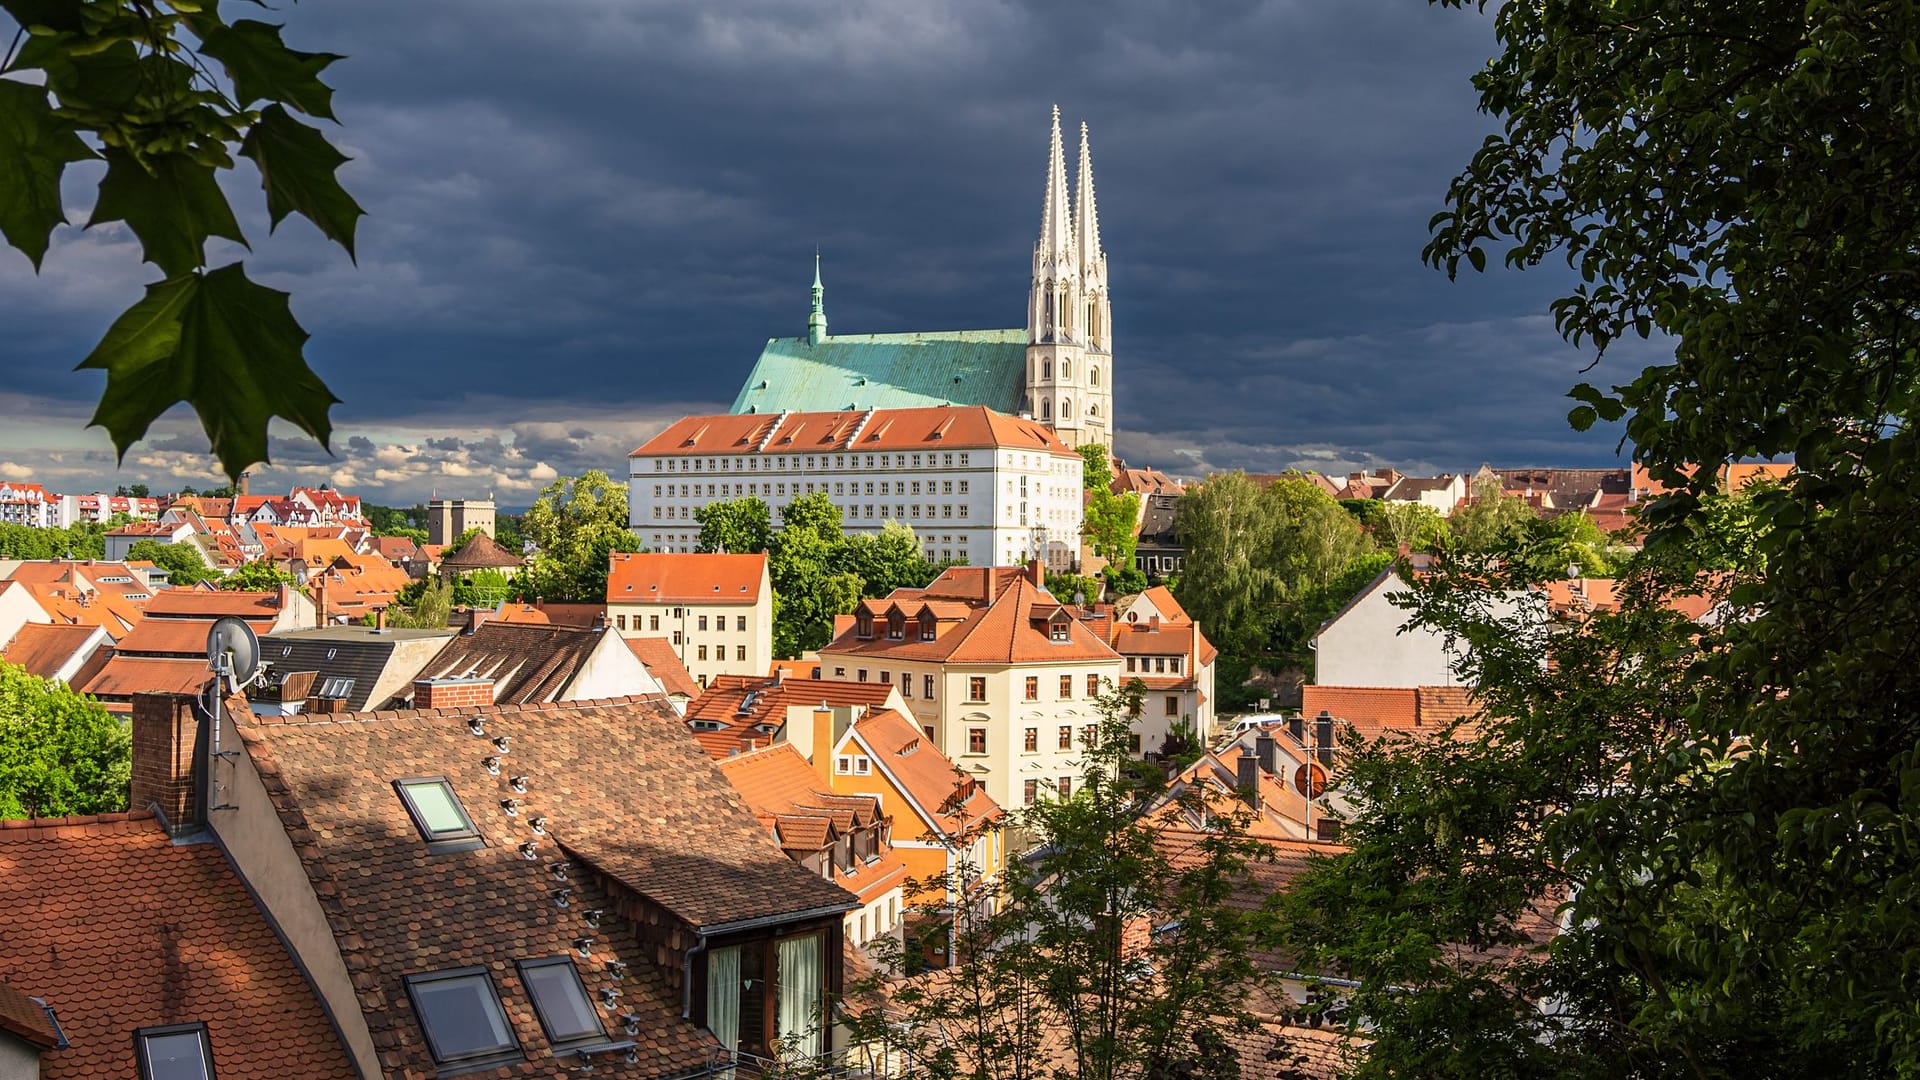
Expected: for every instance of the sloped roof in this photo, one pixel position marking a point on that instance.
(665, 666)
(44, 648)
(351, 652)
(852, 430)
(213, 603)
(888, 371)
(1000, 631)
(1372, 709)
(117, 928)
(745, 702)
(620, 786)
(177, 637)
(785, 793)
(527, 662)
(482, 552)
(124, 676)
(926, 776)
(25, 1018)
(690, 578)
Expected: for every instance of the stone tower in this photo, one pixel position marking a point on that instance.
(1069, 321)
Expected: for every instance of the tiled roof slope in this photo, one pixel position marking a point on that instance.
(26, 1018)
(210, 604)
(117, 928)
(745, 703)
(527, 662)
(665, 666)
(691, 578)
(1003, 630)
(955, 801)
(786, 794)
(44, 648)
(852, 430)
(619, 783)
(889, 371)
(482, 552)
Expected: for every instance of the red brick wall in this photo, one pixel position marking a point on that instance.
(428, 694)
(164, 729)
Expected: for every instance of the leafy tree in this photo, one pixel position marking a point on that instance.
(1551, 546)
(85, 540)
(1724, 813)
(884, 561)
(1097, 475)
(808, 591)
(482, 588)
(132, 82)
(1409, 524)
(1065, 586)
(1063, 976)
(1124, 580)
(260, 575)
(1230, 585)
(462, 539)
(1314, 541)
(424, 605)
(135, 491)
(506, 529)
(390, 521)
(741, 526)
(1491, 520)
(60, 752)
(1110, 525)
(182, 562)
(576, 524)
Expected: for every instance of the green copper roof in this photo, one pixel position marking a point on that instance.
(889, 371)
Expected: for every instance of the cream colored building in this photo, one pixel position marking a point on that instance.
(996, 672)
(716, 610)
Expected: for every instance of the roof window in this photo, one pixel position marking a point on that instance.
(437, 813)
(461, 1015)
(174, 1052)
(566, 1014)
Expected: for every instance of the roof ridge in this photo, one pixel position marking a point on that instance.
(125, 821)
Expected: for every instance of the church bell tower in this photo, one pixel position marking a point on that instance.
(1069, 322)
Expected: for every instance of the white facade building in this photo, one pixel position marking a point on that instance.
(976, 486)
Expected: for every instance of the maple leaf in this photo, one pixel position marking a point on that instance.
(35, 147)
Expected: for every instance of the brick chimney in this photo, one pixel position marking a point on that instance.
(1037, 573)
(166, 733)
(476, 617)
(823, 739)
(452, 693)
(1247, 777)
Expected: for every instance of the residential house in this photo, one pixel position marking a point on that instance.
(1147, 482)
(847, 839)
(67, 593)
(1158, 552)
(144, 955)
(1372, 711)
(18, 609)
(342, 668)
(167, 530)
(167, 651)
(1165, 649)
(512, 890)
(738, 713)
(716, 609)
(28, 504)
(1371, 641)
(997, 673)
(401, 551)
(58, 652)
(527, 664)
(976, 486)
(353, 587)
(1441, 494)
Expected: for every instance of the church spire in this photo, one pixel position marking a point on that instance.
(1087, 224)
(1054, 252)
(817, 318)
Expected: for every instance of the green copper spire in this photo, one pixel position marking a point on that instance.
(817, 319)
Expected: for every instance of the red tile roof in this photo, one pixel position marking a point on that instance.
(984, 615)
(954, 801)
(214, 603)
(665, 666)
(621, 788)
(482, 552)
(746, 703)
(45, 648)
(177, 637)
(26, 1018)
(937, 428)
(1372, 709)
(117, 928)
(662, 578)
(124, 676)
(789, 797)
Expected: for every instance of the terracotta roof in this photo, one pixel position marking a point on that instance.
(1002, 630)
(937, 428)
(621, 787)
(77, 606)
(177, 637)
(117, 928)
(26, 1018)
(954, 802)
(480, 553)
(396, 548)
(786, 794)
(511, 612)
(665, 666)
(124, 676)
(662, 578)
(45, 648)
(795, 669)
(527, 662)
(213, 603)
(1372, 709)
(744, 703)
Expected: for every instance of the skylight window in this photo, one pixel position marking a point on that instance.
(461, 1015)
(437, 813)
(566, 1013)
(174, 1052)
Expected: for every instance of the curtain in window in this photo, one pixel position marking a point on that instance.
(802, 982)
(723, 995)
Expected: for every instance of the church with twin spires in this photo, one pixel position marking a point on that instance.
(1059, 370)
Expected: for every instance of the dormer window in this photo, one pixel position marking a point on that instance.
(1057, 631)
(864, 625)
(928, 626)
(896, 626)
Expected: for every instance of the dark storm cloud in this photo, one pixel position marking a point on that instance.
(586, 217)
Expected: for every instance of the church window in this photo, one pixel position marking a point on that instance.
(1066, 408)
(1046, 410)
(1046, 369)
(1066, 369)
(1093, 410)
(1093, 376)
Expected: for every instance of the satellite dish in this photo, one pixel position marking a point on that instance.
(233, 650)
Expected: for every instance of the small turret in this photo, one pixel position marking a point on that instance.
(817, 318)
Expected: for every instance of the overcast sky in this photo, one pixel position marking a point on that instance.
(587, 216)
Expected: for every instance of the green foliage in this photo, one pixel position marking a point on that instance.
(1491, 520)
(884, 561)
(129, 82)
(182, 562)
(483, 589)
(1227, 525)
(1065, 586)
(462, 539)
(576, 524)
(423, 605)
(1724, 814)
(1058, 963)
(260, 575)
(1097, 474)
(1110, 525)
(808, 591)
(390, 521)
(84, 541)
(60, 752)
(741, 526)
(1417, 527)
(1124, 580)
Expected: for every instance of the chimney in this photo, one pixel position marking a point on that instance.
(821, 749)
(1297, 728)
(452, 693)
(1323, 736)
(320, 598)
(1263, 749)
(1037, 573)
(779, 674)
(166, 776)
(475, 617)
(1247, 777)
(380, 619)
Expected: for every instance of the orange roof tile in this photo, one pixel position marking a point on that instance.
(177, 637)
(1372, 709)
(949, 799)
(937, 428)
(26, 1018)
(117, 928)
(124, 676)
(1002, 630)
(213, 603)
(745, 704)
(663, 578)
(785, 792)
(45, 648)
(665, 666)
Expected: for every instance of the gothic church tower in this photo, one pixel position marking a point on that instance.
(1069, 320)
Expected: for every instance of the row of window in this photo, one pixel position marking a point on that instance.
(719, 651)
(826, 461)
(460, 1011)
(901, 511)
(887, 487)
(1156, 665)
(653, 621)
